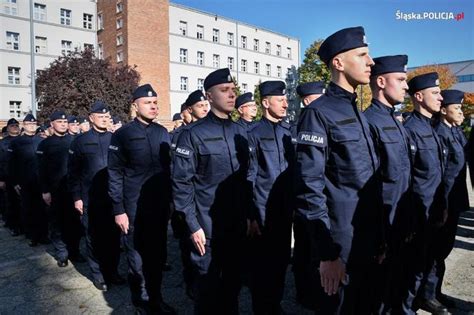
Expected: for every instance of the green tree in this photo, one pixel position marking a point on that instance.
(313, 69)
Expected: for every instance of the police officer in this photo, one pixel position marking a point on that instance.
(270, 172)
(63, 224)
(139, 185)
(84, 124)
(23, 170)
(429, 202)
(310, 91)
(388, 83)
(87, 181)
(73, 126)
(209, 186)
(245, 105)
(116, 123)
(177, 121)
(338, 208)
(12, 216)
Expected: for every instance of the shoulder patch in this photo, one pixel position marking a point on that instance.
(112, 147)
(311, 138)
(183, 152)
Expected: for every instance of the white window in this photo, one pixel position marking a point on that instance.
(87, 21)
(65, 16)
(183, 28)
(119, 7)
(183, 86)
(119, 39)
(279, 71)
(256, 66)
(200, 58)
(183, 55)
(41, 45)
(100, 22)
(66, 47)
(268, 69)
(256, 45)
(244, 87)
(15, 109)
(288, 52)
(100, 51)
(215, 35)
(243, 41)
(13, 41)
(200, 84)
(13, 75)
(243, 65)
(278, 50)
(39, 12)
(119, 23)
(200, 32)
(216, 61)
(10, 7)
(119, 56)
(230, 39)
(268, 48)
(230, 63)
(88, 46)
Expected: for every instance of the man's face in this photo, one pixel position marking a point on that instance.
(13, 129)
(85, 126)
(309, 98)
(59, 125)
(431, 99)
(395, 87)
(74, 128)
(100, 120)
(222, 97)
(147, 107)
(199, 110)
(248, 110)
(30, 127)
(356, 65)
(276, 106)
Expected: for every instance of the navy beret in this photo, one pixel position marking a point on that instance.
(12, 121)
(244, 98)
(29, 118)
(72, 119)
(41, 129)
(217, 77)
(177, 116)
(423, 81)
(143, 91)
(99, 107)
(116, 120)
(317, 87)
(194, 97)
(183, 107)
(269, 88)
(389, 64)
(452, 97)
(341, 41)
(59, 114)
(83, 120)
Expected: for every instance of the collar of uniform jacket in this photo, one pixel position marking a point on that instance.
(211, 116)
(141, 124)
(380, 105)
(336, 91)
(417, 114)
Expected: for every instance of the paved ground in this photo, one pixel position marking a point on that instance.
(31, 282)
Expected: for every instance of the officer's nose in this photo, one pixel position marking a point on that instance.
(370, 61)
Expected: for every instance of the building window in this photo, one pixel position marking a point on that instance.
(200, 84)
(230, 63)
(183, 55)
(183, 28)
(256, 67)
(39, 12)
(119, 7)
(13, 41)
(66, 47)
(200, 32)
(119, 23)
(88, 46)
(244, 87)
(119, 39)
(243, 41)
(216, 61)
(268, 48)
(15, 109)
(87, 21)
(65, 17)
(200, 58)
(10, 7)
(13, 75)
(243, 65)
(183, 86)
(268, 69)
(256, 45)
(279, 71)
(288, 52)
(41, 45)
(278, 50)
(215, 35)
(100, 51)
(100, 22)
(119, 56)
(230, 39)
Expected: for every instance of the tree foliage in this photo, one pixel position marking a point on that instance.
(74, 81)
(313, 69)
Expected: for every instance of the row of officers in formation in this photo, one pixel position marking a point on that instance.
(373, 202)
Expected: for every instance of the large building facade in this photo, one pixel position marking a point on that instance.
(58, 28)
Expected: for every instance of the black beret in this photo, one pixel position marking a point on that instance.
(40, 129)
(423, 81)
(194, 97)
(183, 107)
(452, 97)
(177, 116)
(83, 120)
(389, 64)
(72, 119)
(341, 41)
(244, 98)
(268, 88)
(143, 91)
(99, 107)
(59, 114)
(217, 77)
(12, 121)
(29, 118)
(317, 87)
(116, 120)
